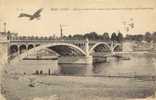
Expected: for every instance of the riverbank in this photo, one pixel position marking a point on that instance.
(24, 87)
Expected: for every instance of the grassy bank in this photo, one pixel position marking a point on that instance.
(75, 87)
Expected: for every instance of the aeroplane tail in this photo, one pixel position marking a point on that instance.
(31, 18)
(21, 15)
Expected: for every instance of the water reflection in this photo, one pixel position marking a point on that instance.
(137, 65)
(76, 69)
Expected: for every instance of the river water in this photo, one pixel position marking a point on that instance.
(135, 78)
(139, 64)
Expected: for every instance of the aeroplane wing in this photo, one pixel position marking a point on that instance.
(38, 12)
(24, 15)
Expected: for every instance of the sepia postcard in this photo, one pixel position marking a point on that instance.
(77, 49)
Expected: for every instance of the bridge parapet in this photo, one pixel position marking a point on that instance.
(43, 41)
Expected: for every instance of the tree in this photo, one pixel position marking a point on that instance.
(114, 37)
(154, 37)
(70, 36)
(91, 36)
(120, 37)
(148, 37)
(106, 36)
(139, 37)
(78, 36)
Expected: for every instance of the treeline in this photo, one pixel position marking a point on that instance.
(148, 37)
(118, 37)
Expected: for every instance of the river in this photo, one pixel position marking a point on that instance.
(139, 64)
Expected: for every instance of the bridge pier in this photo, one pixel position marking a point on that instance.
(4, 48)
(87, 47)
(4, 52)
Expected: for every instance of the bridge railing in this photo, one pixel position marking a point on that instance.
(56, 40)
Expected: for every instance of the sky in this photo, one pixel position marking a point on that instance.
(56, 12)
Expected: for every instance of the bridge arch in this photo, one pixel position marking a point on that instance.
(51, 46)
(98, 44)
(22, 48)
(13, 49)
(30, 46)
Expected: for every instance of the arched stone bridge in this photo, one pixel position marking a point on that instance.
(19, 49)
